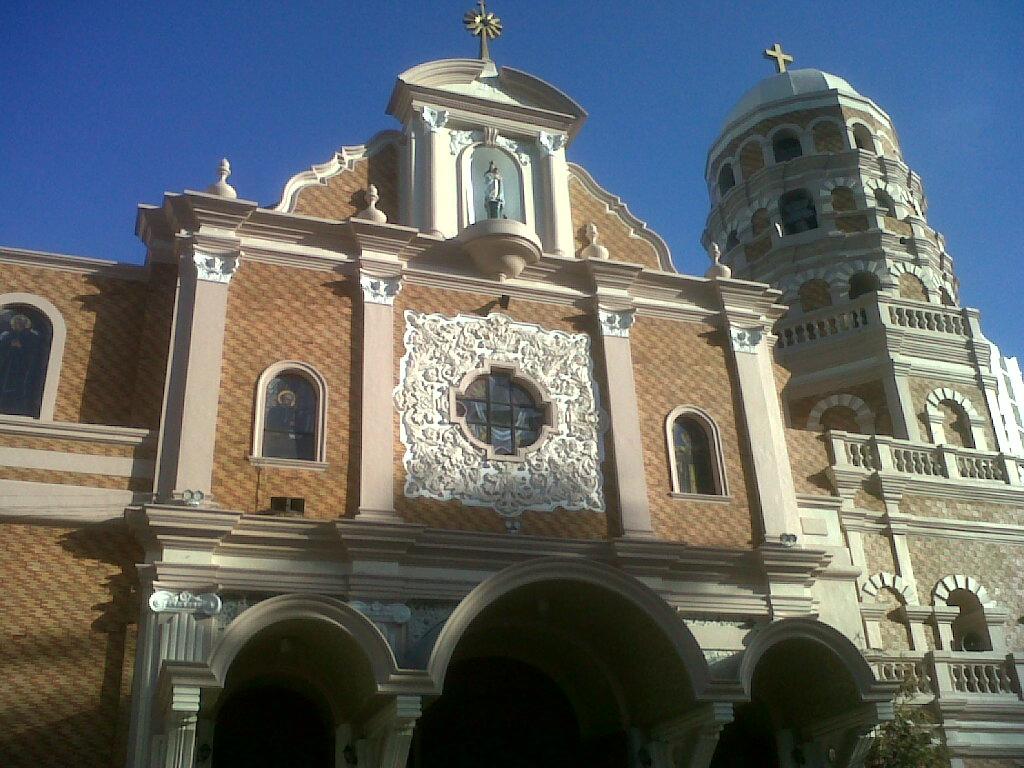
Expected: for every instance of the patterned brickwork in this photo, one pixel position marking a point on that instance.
(103, 316)
(843, 200)
(814, 294)
(341, 196)
(867, 498)
(802, 118)
(911, 287)
(808, 455)
(998, 567)
(852, 223)
(920, 389)
(280, 313)
(894, 630)
(615, 233)
(751, 158)
(154, 338)
(67, 615)
(952, 509)
(872, 393)
(878, 553)
(877, 126)
(78, 446)
(452, 514)
(828, 137)
(687, 364)
(77, 478)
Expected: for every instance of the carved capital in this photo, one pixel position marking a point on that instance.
(434, 119)
(379, 290)
(215, 268)
(550, 143)
(616, 322)
(746, 339)
(162, 601)
(458, 140)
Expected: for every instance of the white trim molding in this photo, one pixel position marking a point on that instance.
(949, 584)
(934, 416)
(717, 459)
(320, 386)
(862, 412)
(883, 580)
(59, 334)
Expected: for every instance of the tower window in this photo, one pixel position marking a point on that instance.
(862, 137)
(25, 338)
(786, 147)
(726, 179)
(863, 283)
(798, 212)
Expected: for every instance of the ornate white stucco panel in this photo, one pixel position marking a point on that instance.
(442, 463)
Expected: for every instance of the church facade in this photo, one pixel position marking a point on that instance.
(511, 490)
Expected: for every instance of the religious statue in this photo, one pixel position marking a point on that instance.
(494, 192)
(22, 365)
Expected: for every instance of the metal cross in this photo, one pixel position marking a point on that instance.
(781, 59)
(483, 24)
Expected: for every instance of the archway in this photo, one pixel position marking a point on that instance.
(576, 664)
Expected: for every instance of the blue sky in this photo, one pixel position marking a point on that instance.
(108, 105)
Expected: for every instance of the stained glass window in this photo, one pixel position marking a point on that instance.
(290, 418)
(692, 456)
(502, 413)
(25, 336)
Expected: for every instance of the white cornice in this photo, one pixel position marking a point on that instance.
(66, 430)
(83, 265)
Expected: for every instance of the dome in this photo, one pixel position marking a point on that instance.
(797, 82)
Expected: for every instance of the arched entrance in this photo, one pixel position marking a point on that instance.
(556, 663)
(813, 699)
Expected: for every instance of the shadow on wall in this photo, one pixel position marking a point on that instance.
(66, 681)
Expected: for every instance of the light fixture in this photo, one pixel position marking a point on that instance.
(787, 539)
(193, 498)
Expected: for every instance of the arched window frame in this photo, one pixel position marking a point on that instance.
(852, 128)
(467, 184)
(319, 386)
(796, 131)
(946, 614)
(535, 388)
(733, 169)
(714, 442)
(862, 412)
(815, 124)
(56, 358)
(935, 419)
(815, 205)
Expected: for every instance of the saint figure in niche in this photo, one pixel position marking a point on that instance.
(23, 351)
(289, 430)
(494, 192)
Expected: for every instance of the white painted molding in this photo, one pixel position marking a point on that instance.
(638, 228)
(59, 461)
(81, 265)
(59, 334)
(58, 502)
(714, 435)
(163, 601)
(616, 322)
(342, 160)
(746, 340)
(864, 415)
(215, 267)
(550, 143)
(434, 119)
(882, 580)
(69, 430)
(319, 383)
(948, 584)
(842, 273)
(379, 290)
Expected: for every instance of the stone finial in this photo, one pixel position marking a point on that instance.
(717, 268)
(370, 212)
(593, 249)
(221, 186)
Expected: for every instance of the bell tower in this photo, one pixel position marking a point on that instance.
(810, 193)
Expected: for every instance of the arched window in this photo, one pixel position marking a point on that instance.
(970, 628)
(797, 211)
(726, 179)
(956, 424)
(503, 412)
(840, 418)
(843, 200)
(695, 453)
(884, 201)
(814, 294)
(862, 137)
(863, 283)
(786, 146)
(732, 241)
(26, 336)
(290, 413)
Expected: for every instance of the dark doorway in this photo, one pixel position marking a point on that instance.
(748, 741)
(502, 713)
(272, 727)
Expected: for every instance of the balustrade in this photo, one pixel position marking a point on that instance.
(823, 326)
(924, 319)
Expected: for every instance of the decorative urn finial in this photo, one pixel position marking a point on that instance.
(593, 249)
(370, 212)
(221, 186)
(717, 268)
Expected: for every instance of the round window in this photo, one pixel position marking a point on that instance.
(501, 412)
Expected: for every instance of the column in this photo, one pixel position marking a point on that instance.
(624, 414)
(389, 733)
(765, 431)
(188, 431)
(901, 404)
(558, 236)
(437, 175)
(376, 460)
(180, 726)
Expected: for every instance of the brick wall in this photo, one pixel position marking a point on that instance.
(877, 553)
(687, 364)
(279, 313)
(920, 389)
(614, 232)
(67, 643)
(872, 393)
(951, 509)
(341, 196)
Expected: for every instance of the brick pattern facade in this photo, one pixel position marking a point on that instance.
(801, 118)
(921, 387)
(342, 195)
(878, 553)
(894, 630)
(67, 636)
(751, 158)
(872, 393)
(952, 509)
(277, 313)
(615, 233)
(140, 484)
(109, 374)
(687, 364)
(912, 288)
(828, 137)
(809, 458)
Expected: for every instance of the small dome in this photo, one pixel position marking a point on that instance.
(797, 82)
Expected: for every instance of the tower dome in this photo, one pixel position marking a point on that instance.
(780, 87)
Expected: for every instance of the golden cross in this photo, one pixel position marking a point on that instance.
(483, 24)
(781, 59)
